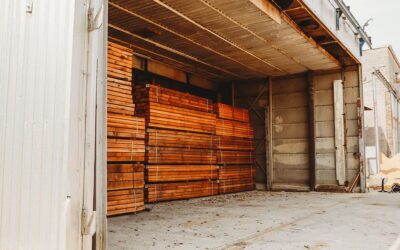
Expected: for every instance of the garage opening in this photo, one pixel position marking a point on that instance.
(213, 97)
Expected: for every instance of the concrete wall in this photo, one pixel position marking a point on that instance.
(290, 149)
(291, 157)
(325, 131)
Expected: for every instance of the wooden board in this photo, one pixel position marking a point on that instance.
(233, 143)
(237, 172)
(125, 176)
(125, 201)
(179, 139)
(155, 93)
(169, 117)
(123, 126)
(170, 173)
(225, 111)
(119, 62)
(168, 155)
(122, 150)
(236, 185)
(119, 80)
(233, 128)
(119, 98)
(236, 178)
(225, 157)
(180, 190)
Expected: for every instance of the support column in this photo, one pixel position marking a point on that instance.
(311, 129)
(268, 139)
(361, 132)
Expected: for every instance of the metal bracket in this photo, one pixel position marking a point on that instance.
(339, 14)
(29, 6)
(88, 222)
(95, 21)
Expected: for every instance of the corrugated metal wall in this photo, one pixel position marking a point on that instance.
(41, 123)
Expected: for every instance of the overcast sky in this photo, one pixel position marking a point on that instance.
(385, 29)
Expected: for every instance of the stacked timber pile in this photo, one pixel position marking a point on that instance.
(125, 137)
(180, 155)
(235, 149)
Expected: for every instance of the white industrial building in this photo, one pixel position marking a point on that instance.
(381, 81)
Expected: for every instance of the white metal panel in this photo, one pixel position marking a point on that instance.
(41, 123)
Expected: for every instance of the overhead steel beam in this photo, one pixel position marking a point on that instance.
(345, 10)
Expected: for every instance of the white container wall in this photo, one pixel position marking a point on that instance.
(43, 96)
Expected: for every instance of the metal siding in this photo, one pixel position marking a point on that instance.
(41, 124)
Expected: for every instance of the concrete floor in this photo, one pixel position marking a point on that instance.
(263, 220)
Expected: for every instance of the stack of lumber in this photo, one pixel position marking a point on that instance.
(180, 154)
(125, 188)
(228, 112)
(169, 109)
(234, 128)
(125, 150)
(125, 137)
(157, 94)
(119, 80)
(181, 190)
(236, 178)
(235, 149)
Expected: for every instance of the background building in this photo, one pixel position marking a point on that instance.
(381, 99)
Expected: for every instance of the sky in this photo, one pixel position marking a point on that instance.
(385, 28)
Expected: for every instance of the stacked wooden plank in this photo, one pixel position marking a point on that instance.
(228, 112)
(180, 154)
(119, 80)
(181, 190)
(125, 188)
(125, 137)
(235, 149)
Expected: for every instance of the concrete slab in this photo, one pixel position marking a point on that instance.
(263, 220)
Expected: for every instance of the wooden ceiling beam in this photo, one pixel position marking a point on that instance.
(294, 9)
(159, 2)
(266, 41)
(151, 55)
(175, 51)
(121, 8)
(326, 29)
(297, 28)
